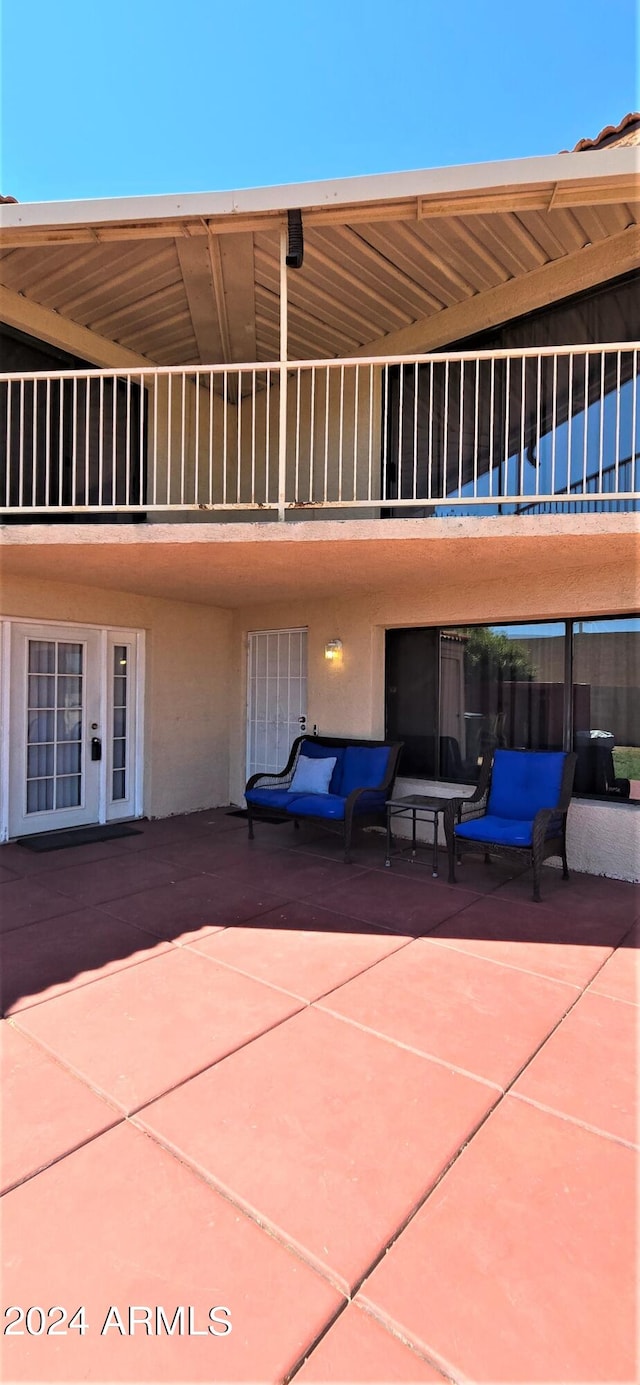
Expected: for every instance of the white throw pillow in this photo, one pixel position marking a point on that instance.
(312, 776)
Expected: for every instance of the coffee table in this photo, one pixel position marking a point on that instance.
(420, 808)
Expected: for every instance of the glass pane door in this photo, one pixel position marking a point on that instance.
(55, 724)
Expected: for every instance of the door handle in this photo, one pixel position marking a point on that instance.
(96, 748)
(302, 722)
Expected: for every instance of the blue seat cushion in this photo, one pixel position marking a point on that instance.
(502, 831)
(523, 781)
(314, 750)
(363, 767)
(271, 798)
(317, 805)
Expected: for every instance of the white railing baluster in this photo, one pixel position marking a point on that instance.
(585, 440)
(385, 433)
(239, 439)
(356, 413)
(461, 427)
(430, 456)
(267, 443)
(326, 433)
(618, 383)
(225, 430)
(634, 418)
(34, 442)
(492, 396)
(538, 421)
(74, 444)
(312, 433)
(210, 458)
(21, 453)
(296, 464)
(398, 495)
(341, 434)
(465, 450)
(8, 477)
(196, 445)
(87, 441)
(253, 436)
(128, 445)
(183, 434)
(47, 440)
(100, 439)
(570, 423)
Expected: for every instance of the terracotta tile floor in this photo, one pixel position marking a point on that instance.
(387, 1128)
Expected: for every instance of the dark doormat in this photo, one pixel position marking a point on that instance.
(242, 813)
(77, 836)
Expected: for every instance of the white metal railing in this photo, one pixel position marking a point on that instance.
(533, 430)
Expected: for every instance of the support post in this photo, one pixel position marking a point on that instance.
(282, 430)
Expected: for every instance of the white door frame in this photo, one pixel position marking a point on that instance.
(109, 635)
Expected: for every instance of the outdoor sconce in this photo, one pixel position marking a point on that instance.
(333, 651)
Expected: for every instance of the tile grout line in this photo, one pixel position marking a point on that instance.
(407, 1048)
(575, 1120)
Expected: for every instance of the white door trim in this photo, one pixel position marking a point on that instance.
(135, 637)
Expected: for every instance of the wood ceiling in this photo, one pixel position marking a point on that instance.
(196, 292)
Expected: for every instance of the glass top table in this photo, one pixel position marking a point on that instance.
(419, 808)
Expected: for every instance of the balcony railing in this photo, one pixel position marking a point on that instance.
(534, 431)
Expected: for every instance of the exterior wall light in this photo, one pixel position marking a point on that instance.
(333, 651)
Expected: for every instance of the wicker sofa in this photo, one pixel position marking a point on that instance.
(356, 787)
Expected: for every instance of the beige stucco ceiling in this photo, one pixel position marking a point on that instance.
(235, 565)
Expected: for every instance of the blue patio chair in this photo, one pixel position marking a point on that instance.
(520, 806)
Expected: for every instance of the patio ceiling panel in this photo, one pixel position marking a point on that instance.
(439, 281)
(376, 269)
(117, 284)
(514, 247)
(384, 272)
(316, 293)
(448, 248)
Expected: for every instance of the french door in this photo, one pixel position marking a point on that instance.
(72, 727)
(276, 697)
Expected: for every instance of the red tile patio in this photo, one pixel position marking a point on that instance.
(387, 1128)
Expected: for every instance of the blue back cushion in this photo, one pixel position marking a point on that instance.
(363, 767)
(314, 751)
(523, 781)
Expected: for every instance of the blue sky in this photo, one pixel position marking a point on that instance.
(151, 96)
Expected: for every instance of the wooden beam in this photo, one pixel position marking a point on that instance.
(215, 261)
(592, 265)
(239, 276)
(47, 325)
(197, 275)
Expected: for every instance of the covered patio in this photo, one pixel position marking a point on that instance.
(387, 1124)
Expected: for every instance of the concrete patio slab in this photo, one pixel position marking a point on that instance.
(84, 945)
(588, 1068)
(329, 1136)
(360, 1350)
(277, 1152)
(518, 1268)
(308, 952)
(51, 1112)
(480, 1017)
(121, 1224)
(139, 1032)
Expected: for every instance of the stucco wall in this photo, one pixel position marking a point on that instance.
(186, 690)
(350, 699)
